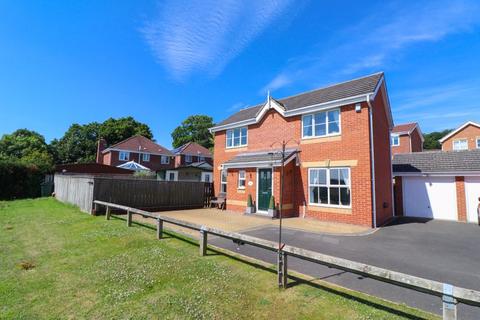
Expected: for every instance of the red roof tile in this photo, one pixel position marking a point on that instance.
(193, 149)
(406, 127)
(140, 143)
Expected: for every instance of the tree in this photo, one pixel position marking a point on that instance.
(28, 147)
(194, 129)
(431, 139)
(116, 130)
(79, 143)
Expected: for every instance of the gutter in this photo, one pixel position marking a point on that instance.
(372, 155)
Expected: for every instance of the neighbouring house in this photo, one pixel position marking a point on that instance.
(136, 153)
(91, 168)
(466, 137)
(438, 184)
(193, 162)
(337, 164)
(407, 138)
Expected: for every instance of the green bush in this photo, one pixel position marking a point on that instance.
(272, 203)
(249, 201)
(19, 180)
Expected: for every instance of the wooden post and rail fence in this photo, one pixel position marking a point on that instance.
(450, 295)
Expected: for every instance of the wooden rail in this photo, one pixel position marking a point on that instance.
(450, 294)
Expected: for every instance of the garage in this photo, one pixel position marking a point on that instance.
(430, 197)
(472, 193)
(443, 185)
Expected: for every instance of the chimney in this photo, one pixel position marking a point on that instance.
(101, 145)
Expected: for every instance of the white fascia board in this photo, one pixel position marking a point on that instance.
(436, 174)
(458, 129)
(388, 109)
(233, 125)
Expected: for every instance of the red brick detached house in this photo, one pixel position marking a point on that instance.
(338, 163)
(466, 137)
(407, 138)
(139, 149)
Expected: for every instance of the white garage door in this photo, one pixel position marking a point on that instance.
(472, 193)
(430, 197)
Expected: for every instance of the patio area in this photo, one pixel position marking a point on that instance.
(236, 222)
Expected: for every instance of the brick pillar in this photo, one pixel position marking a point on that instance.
(461, 200)
(398, 196)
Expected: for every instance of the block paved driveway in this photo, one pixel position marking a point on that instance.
(438, 250)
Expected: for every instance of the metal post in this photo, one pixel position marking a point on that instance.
(129, 219)
(203, 242)
(449, 303)
(159, 228)
(284, 271)
(281, 255)
(107, 213)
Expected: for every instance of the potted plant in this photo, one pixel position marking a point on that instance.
(271, 207)
(250, 208)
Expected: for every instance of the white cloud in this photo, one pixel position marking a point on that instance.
(204, 36)
(279, 81)
(381, 38)
(237, 106)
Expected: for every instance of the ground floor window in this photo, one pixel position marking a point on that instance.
(223, 182)
(329, 186)
(241, 179)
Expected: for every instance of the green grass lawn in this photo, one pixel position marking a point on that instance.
(57, 262)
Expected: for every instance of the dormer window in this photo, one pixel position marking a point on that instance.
(321, 124)
(395, 140)
(237, 137)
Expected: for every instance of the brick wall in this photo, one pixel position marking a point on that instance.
(111, 158)
(404, 146)
(417, 144)
(398, 192)
(351, 148)
(470, 132)
(461, 199)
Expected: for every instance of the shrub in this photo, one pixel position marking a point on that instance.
(272, 203)
(19, 180)
(249, 201)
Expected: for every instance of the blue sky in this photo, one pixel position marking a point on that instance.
(80, 61)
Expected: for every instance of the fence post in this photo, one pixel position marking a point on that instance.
(282, 269)
(449, 303)
(107, 213)
(95, 209)
(129, 218)
(203, 241)
(159, 228)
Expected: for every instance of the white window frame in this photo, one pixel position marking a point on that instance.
(188, 158)
(458, 141)
(207, 174)
(313, 136)
(240, 145)
(395, 136)
(175, 175)
(223, 183)
(242, 177)
(328, 186)
(478, 142)
(146, 157)
(123, 155)
(164, 160)
(201, 158)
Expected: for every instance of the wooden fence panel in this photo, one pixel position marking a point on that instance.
(76, 190)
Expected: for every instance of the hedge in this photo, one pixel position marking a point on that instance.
(18, 180)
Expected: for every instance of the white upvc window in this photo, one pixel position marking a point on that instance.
(201, 158)
(164, 159)
(123, 156)
(188, 158)
(461, 144)
(223, 181)
(146, 157)
(237, 137)
(329, 187)
(242, 178)
(478, 143)
(321, 124)
(395, 140)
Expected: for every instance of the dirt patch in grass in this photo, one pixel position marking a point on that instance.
(27, 265)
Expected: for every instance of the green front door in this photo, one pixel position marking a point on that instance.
(264, 188)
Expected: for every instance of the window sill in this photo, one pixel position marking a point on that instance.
(308, 140)
(329, 209)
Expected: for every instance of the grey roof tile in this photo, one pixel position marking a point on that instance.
(271, 155)
(437, 162)
(356, 87)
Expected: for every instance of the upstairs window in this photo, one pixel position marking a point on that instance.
(321, 124)
(237, 137)
(395, 140)
(241, 179)
(478, 143)
(164, 159)
(460, 144)
(123, 156)
(188, 158)
(201, 158)
(146, 157)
